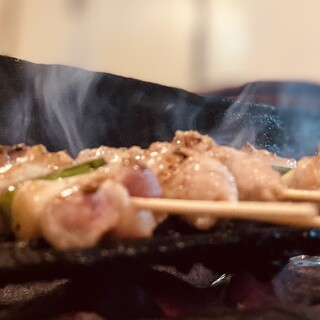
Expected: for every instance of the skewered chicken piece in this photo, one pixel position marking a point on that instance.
(194, 167)
(306, 175)
(35, 204)
(77, 211)
(21, 162)
(255, 179)
(68, 212)
(273, 160)
(183, 174)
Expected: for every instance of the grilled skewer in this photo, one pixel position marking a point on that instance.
(200, 178)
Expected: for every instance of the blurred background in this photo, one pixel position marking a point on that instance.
(198, 45)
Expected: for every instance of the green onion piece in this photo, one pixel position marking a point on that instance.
(6, 204)
(6, 198)
(75, 170)
(281, 170)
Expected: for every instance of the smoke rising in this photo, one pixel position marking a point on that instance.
(52, 105)
(63, 97)
(69, 108)
(240, 123)
(283, 117)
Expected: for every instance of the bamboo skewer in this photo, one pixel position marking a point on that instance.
(295, 214)
(301, 195)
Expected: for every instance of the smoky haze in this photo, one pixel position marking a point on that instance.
(69, 108)
(63, 97)
(293, 108)
(49, 105)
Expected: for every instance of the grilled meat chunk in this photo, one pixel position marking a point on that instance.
(255, 179)
(21, 162)
(79, 218)
(306, 175)
(78, 211)
(187, 174)
(183, 173)
(270, 158)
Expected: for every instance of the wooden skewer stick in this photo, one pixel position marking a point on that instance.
(296, 214)
(301, 195)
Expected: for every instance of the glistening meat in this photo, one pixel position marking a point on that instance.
(78, 211)
(77, 208)
(306, 175)
(255, 179)
(184, 173)
(21, 162)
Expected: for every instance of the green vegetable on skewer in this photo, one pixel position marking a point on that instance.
(7, 197)
(75, 170)
(281, 170)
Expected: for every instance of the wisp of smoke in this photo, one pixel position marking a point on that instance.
(293, 108)
(64, 102)
(70, 108)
